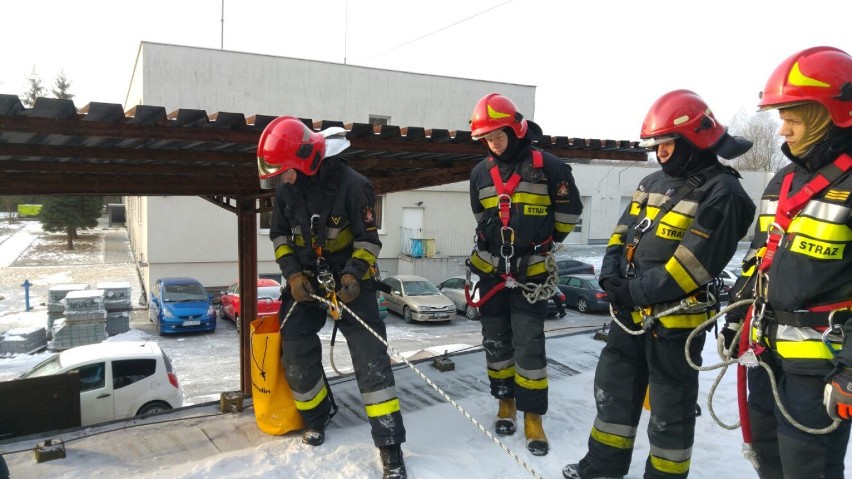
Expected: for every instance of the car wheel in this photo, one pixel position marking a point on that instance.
(582, 305)
(153, 407)
(406, 314)
(471, 312)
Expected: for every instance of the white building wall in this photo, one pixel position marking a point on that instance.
(192, 237)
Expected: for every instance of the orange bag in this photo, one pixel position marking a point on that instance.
(274, 408)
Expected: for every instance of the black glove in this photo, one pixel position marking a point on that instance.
(300, 287)
(837, 396)
(726, 338)
(350, 288)
(618, 292)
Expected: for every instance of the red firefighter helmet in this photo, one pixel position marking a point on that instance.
(287, 143)
(494, 111)
(681, 114)
(819, 74)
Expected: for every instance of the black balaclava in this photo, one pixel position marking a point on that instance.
(836, 142)
(512, 147)
(687, 159)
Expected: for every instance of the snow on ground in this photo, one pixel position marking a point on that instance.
(441, 443)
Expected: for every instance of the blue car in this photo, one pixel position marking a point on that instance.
(180, 305)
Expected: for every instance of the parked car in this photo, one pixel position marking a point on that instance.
(268, 300)
(415, 298)
(118, 379)
(583, 292)
(453, 288)
(728, 278)
(180, 305)
(573, 266)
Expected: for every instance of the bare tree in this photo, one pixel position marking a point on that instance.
(61, 87)
(36, 89)
(762, 129)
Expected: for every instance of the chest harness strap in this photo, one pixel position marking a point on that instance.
(788, 208)
(507, 233)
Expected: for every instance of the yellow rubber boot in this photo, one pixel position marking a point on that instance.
(505, 425)
(536, 440)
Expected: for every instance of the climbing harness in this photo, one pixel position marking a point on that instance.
(428, 381)
(533, 292)
(690, 304)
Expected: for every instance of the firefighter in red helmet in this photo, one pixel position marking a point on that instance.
(326, 243)
(676, 235)
(524, 201)
(799, 273)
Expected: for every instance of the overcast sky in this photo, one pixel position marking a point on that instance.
(597, 65)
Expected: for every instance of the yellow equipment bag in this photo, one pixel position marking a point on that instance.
(274, 408)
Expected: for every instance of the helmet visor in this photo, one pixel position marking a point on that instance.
(654, 141)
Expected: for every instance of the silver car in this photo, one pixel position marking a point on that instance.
(453, 288)
(415, 298)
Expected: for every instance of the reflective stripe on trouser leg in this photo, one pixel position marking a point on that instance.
(373, 370)
(301, 353)
(513, 338)
(674, 394)
(621, 378)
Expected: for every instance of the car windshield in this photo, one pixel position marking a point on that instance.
(420, 288)
(272, 292)
(45, 368)
(175, 293)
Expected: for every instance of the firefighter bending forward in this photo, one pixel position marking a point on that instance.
(524, 200)
(324, 233)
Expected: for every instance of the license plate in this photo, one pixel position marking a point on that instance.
(191, 323)
(441, 315)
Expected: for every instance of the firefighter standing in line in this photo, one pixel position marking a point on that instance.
(524, 201)
(324, 228)
(689, 217)
(799, 271)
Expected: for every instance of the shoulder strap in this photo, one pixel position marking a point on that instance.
(789, 207)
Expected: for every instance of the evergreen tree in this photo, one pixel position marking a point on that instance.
(68, 213)
(36, 89)
(61, 87)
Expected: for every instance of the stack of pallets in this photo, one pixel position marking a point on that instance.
(84, 320)
(117, 305)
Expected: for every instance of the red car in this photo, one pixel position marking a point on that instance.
(268, 300)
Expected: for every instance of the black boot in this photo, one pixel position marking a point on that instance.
(392, 463)
(313, 436)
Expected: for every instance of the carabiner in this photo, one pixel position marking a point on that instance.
(643, 225)
(832, 328)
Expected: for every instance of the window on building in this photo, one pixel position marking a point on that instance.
(379, 120)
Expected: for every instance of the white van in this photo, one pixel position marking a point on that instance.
(118, 379)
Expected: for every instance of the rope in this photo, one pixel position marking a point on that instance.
(728, 360)
(436, 388)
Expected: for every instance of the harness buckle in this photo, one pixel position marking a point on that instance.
(648, 320)
(507, 249)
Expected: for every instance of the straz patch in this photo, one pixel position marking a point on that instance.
(667, 232)
(817, 249)
(335, 220)
(535, 210)
(562, 189)
(368, 216)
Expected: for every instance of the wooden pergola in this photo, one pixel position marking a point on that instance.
(100, 150)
